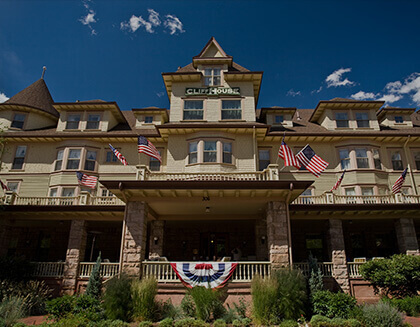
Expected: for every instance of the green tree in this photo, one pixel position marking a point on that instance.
(94, 287)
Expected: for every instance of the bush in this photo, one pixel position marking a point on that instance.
(398, 276)
(240, 308)
(280, 297)
(143, 296)
(219, 323)
(289, 323)
(94, 287)
(11, 310)
(60, 306)
(409, 305)
(190, 322)
(230, 315)
(320, 321)
(188, 306)
(331, 304)
(207, 303)
(15, 269)
(315, 281)
(167, 322)
(83, 307)
(381, 314)
(117, 299)
(242, 322)
(146, 324)
(168, 310)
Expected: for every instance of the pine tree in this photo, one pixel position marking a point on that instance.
(94, 287)
(315, 280)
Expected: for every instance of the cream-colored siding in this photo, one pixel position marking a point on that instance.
(328, 119)
(33, 120)
(389, 121)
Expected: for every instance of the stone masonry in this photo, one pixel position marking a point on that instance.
(134, 240)
(338, 254)
(75, 253)
(261, 240)
(406, 236)
(156, 238)
(277, 236)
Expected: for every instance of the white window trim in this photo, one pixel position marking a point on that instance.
(219, 151)
(194, 99)
(24, 121)
(212, 68)
(82, 160)
(24, 158)
(231, 99)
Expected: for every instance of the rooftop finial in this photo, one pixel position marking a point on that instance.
(43, 72)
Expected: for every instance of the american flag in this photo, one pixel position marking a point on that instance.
(311, 161)
(4, 186)
(86, 180)
(396, 188)
(288, 156)
(146, 147)
(119, 155)
(338, 182)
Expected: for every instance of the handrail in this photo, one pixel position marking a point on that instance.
(108, 269)
(325, 267)
(219, 176)
(48, 269)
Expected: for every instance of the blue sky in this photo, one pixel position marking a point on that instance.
(308, 50)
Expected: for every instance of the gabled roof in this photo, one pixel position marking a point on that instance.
(35, 96)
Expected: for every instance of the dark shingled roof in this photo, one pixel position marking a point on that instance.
(36, 96)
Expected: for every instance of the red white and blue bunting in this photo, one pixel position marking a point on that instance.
(209, 274)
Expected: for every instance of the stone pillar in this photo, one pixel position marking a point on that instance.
(338, 254)
(277, 234)
(75, 254)
(406, 236)
(261, 250)
(134, 237)
(157, 229)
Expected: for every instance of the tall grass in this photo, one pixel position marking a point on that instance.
(207, 303)
(117, 299)
(143, 295)
(11, 310)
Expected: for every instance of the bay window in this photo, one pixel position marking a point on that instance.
(192, 152)
(193, 110)
(362, 159)
(19, 157)
(90, 160)
(376, 159)
(396, 160)
(263, 159)
(73, 160)
(231, 109)
(59, 160)
(210, 151)
(227, 152)
(344, 158)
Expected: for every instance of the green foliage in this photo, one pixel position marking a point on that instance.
(315, 281)
(219, 323)
(381, 314)
(117, 299)
(280, 297)
(230, 315)
(398, 276)
(242, 322)
(333, 304)
(207, 303)
(167, 322)
(320, 321)
(94, 287)
(168, 310)
(146, 324)
(188, 306)
(15, 268)
(11, 310)
(83, 307)
(240, 308)
(409, 305)
(289, 323)
(353, 323)
(143, 296)
(190, 322)
(61, 306)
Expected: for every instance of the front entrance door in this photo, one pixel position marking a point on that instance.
(214, 246)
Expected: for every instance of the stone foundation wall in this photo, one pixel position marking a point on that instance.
(277, 234)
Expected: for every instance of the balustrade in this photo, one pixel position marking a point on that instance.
(325, 267)
(48, 269)
(108, 269)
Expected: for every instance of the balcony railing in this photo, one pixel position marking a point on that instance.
(48, 269)
(108, 269)
(353, 269)
(84, 198)
(325, 267)
(330, 198)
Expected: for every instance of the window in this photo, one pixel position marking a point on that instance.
(315, 245)
(192, 152)
(362, 119)
(417, 159)
(210, 151)
(227, 153)
(105, 192)
(396, 159)
(231, 109)
(73, 160)
(13, 186)
(18, 121)
(376, 159)
(212, 76)
(350, 194)
(193, 110)
(111, 157)
(148, 119)
(154, 164)
(19, 157)
(59, 160)
(264, 159)
(341, 119)
(93, 121)
(278, 119)
(68, 192)
(399, 119)
(54, 192)
(73, 121)
(368, 193)
(344, 158)
(90, 160)
(362, 158)
(306, 196)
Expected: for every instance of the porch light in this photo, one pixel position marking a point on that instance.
(156, 239)
(207, 209)
(262, 239)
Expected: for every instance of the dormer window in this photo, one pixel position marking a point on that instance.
(342, 120)
(93, 121)
(148, 119)
(399, 119)
(278, 119)
(18, 121)
(212, 76)
(73, 121)
(362, 119)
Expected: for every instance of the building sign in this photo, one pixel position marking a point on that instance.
(212, 91)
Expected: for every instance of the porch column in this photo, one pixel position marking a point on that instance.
(406, 236)
(338, 254)
(134, 237)
(157, 228)
(261, 239)
(277, 234)
(75, 254)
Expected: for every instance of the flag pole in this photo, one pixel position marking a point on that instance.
(413, 183)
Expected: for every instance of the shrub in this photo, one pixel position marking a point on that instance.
(15, 268)
(112, 323)
(94, 287)
(207, 303)
(240, 308)
(353, 323)
(188, 306)
(242, 322)
(230, 315)
(60, 306)
(167, 322)
(219, 323)
(381, 314)
(398, 276)
(320, 321)
(143, 296)
(333, 304)
(117, 299)
(89, 307)
(146, 324)
(190, 322)
(315, 281)
(409, 305)
(289, 323)
(11, 310)
(168, 310)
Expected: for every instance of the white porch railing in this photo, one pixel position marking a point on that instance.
(106, 200)
(309, 199)
(162, 271)
(49, 269)
(246, 176)
(353, 269)
(108, 269)
(330, 198)
(46, 200)
(326, 268)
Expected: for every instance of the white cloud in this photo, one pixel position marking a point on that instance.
(173, 24)
(317, 91)
(390, 98)
(136, 22)
(154, 17)
(336, 78)
(411, 86)
(293, 93)
(89, 18)
(361, 95)
(160, 94)
(3, 97)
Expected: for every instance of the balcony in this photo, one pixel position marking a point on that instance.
(330, 198)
